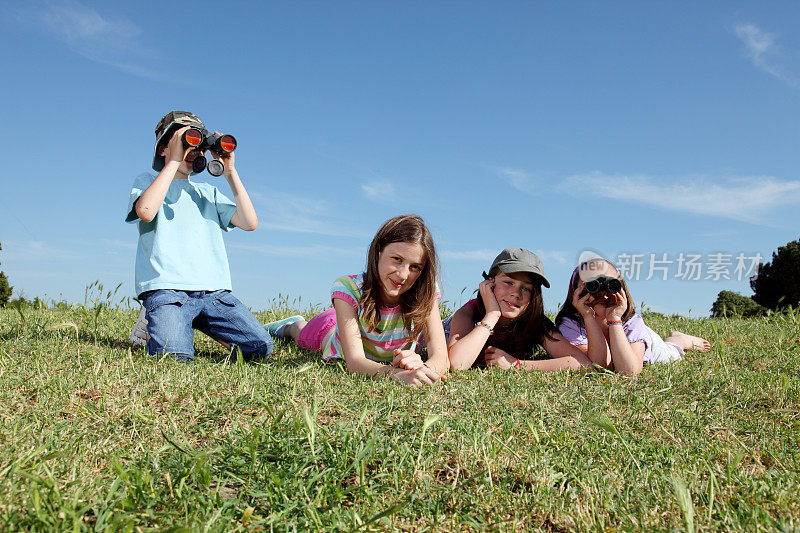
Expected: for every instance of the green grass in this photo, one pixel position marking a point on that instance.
(94, 436)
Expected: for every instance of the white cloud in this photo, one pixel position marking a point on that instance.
(316, 251)
(407, 197)
(717, 234)
(378, 190)
(761, 49)
(517, 178)
(105, 39)
(36, 251)
(117, 243)
(302, 214)
(469, 255)
(486, 255)
(559, 256)
(750, 199)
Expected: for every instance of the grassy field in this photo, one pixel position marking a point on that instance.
(94, 436)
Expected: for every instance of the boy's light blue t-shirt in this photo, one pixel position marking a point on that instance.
(182, 247)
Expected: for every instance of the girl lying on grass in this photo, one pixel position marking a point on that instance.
(377, 315)
(599, 312)
(501, 327)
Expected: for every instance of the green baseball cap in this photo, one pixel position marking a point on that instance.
(167, 126)
(513, 260)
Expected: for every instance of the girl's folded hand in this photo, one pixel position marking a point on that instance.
(418, 377)
(407, 359)
(495, 357)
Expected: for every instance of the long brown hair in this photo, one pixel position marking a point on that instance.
(417, 302)
(568, 310)
(528, 330)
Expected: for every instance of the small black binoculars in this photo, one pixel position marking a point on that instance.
(603, 283)
(202, 140)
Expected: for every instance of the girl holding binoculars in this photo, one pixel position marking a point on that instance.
(599, 317)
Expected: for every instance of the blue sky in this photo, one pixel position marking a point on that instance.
(632, 128)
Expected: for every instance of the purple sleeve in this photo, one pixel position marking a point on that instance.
(573, 332)
(635, 330)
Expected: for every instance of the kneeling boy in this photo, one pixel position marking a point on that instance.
(182, 274)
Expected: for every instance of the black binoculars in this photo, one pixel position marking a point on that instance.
(603, 283)
(202, 140)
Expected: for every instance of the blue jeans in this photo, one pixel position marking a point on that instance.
(172, 317)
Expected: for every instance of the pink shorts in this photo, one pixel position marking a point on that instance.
(312, 335)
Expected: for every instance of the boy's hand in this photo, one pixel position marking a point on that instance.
(175, 151)
(228, 160)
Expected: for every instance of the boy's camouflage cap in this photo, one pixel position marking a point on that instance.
(165, 127)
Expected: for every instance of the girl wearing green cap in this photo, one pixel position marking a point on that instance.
(500, 327)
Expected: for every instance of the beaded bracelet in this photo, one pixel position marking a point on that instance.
(614, 322)
(485, 325)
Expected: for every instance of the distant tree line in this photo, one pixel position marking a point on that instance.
(5, 288)
(776, 286)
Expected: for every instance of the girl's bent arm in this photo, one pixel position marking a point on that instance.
(565, 355)
(628, 357)
(597, 348)
(466, 340)
(436, 343)
(350, 336)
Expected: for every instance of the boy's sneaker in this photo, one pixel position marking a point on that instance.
(277, 328)
(139, 331)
